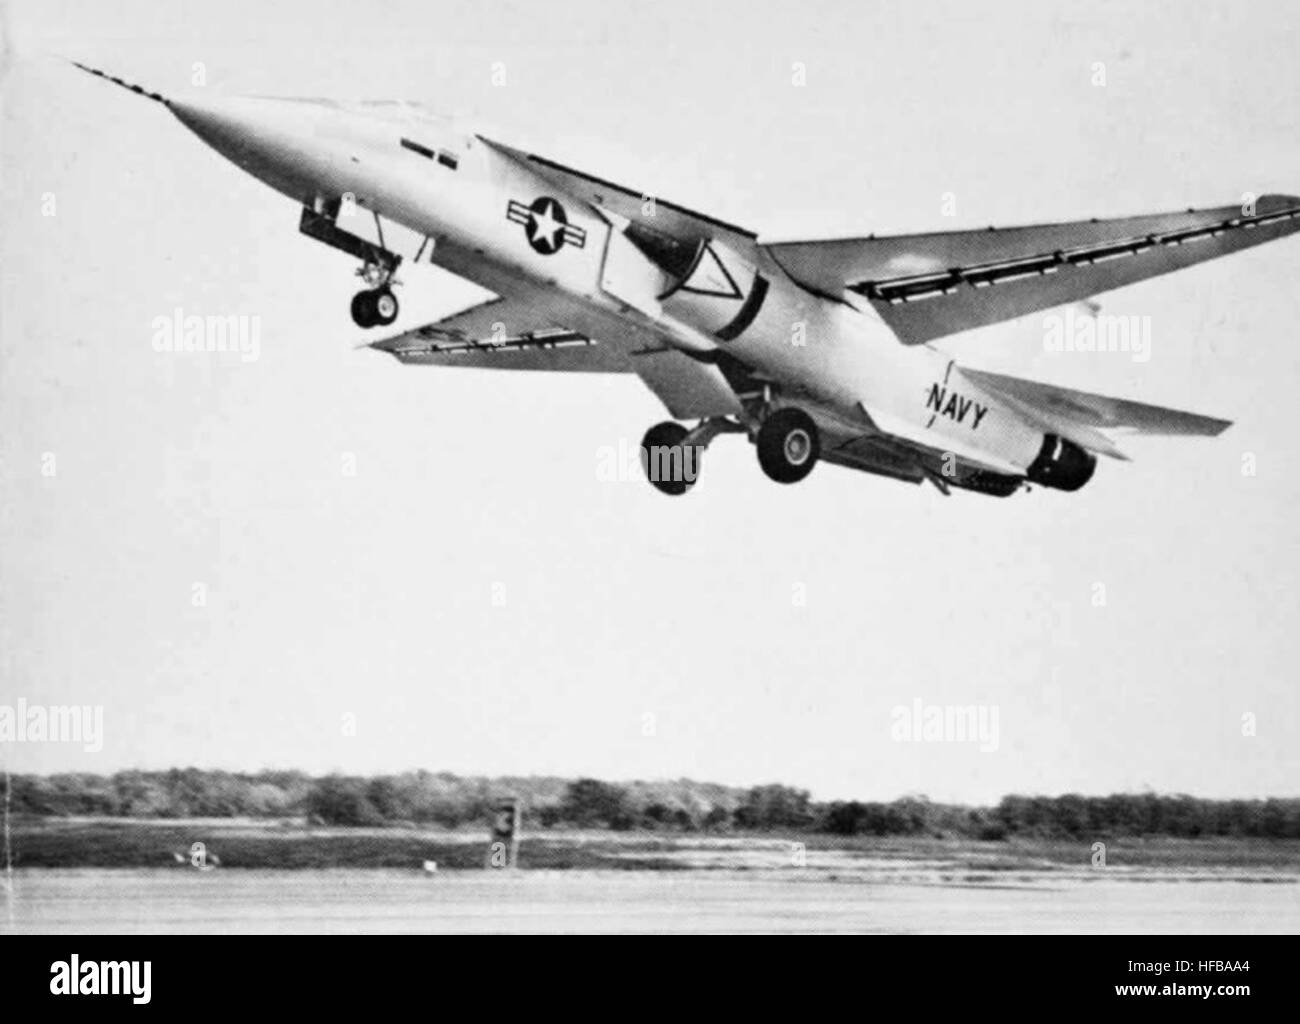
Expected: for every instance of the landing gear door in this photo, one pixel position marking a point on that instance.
(345, 223)
(386, 233)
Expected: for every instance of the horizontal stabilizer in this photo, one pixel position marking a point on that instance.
(1079, 415)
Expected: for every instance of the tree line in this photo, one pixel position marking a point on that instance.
(449, 800)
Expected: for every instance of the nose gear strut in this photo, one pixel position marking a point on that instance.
(376, 305)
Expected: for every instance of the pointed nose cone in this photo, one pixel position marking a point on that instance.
(277, 141)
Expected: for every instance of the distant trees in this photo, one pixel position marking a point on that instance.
(908, 816)
(846, 819)
(140, 795)
(680, 805)
(65, 795)
(339, 800)
(591, 803)
(718, 819)
(1148, 814)
(775, 807)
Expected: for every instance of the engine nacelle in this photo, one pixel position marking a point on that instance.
(1062, 464)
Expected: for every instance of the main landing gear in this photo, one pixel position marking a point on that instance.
(671, 464)
(787, 439)
(788, 445)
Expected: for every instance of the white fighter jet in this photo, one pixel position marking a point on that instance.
(815, 350)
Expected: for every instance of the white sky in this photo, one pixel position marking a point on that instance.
(372, 595)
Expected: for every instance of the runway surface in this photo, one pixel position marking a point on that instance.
(181, 900)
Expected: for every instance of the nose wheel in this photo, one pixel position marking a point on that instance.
(376, 307)
(788, 445)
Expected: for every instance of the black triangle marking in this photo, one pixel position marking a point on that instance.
(735, 291)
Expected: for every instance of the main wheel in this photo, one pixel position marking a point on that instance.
(788, 445)
(670, 466)
(384, 303)
(363, 309)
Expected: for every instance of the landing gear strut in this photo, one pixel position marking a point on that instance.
(788, 445)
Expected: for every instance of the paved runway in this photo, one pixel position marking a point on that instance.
(346, 901)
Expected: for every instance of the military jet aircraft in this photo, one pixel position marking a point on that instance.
(815, 350)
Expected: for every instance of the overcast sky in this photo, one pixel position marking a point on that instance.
(639, 636)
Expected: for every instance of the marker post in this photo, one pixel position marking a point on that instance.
(503, 849)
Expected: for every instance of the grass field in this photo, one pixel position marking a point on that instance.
(116, 843)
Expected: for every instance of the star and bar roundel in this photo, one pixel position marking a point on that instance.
(546, 225)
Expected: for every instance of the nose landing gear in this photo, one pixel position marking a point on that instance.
(376, 307)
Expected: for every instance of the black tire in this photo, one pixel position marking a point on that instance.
(384, 304)
(363, 309)
(669, 467)
(788, 445)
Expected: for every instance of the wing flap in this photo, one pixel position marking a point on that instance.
(495, 319)
(564, 353)
(505, 334)
(929, 286)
